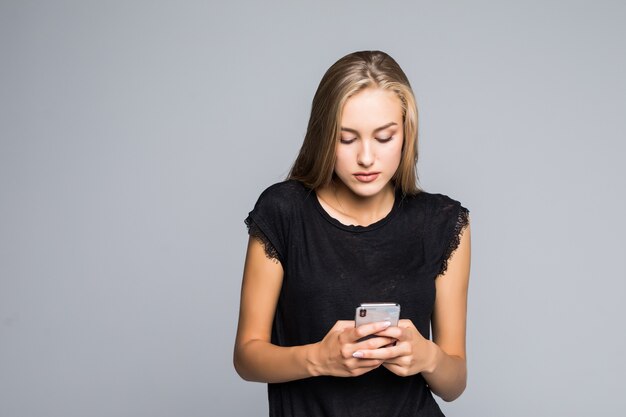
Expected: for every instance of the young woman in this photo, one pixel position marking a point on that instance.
(350, 225)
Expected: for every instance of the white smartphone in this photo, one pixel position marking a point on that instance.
(373, 312)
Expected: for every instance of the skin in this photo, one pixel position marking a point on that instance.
(363, 148)
(442, 361)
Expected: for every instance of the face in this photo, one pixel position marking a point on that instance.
(370, 146)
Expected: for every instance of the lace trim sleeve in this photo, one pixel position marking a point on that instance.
(461, 223)
(256, 232)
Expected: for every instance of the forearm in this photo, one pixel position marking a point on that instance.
(261, 361)
(447, 377)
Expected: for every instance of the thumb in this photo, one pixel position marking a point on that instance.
(343, 325)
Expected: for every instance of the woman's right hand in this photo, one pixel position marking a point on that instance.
(257, 359)
(333, 354)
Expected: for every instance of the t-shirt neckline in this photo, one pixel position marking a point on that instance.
(359, 228)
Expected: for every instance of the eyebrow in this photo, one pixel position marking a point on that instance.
(347, 129)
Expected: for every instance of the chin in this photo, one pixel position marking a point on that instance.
(367, 190)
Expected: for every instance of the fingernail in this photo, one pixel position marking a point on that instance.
(357, 354)
(386, 323)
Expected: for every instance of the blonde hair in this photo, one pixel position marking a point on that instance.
(315, 163)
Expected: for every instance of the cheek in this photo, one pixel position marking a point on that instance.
(343, 158)
(392, 155)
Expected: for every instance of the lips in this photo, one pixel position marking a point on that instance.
(366, 176)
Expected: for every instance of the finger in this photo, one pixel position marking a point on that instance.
(396, 369)
(374, 343)
(365, 363)
(406, 324)
(343, 325)
(379, 354)
(384, 353)
(364, 370)
(396, 333)
(370, 328)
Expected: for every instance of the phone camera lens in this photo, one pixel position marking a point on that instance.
(362, 312)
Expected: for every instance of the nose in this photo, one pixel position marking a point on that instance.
(365, 157)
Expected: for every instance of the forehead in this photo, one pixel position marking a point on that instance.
(371, 107)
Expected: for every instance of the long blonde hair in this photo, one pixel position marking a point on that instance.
(315, 163)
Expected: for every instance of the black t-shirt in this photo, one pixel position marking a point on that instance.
(330, 268)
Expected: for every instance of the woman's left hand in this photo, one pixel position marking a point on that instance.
(411, 354)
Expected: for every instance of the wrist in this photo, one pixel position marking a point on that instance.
(435, 356)
(312, 362)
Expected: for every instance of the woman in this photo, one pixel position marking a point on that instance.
(350, 225)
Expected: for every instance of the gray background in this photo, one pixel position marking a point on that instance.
(136, 136)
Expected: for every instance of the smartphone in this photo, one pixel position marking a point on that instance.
(372, 312)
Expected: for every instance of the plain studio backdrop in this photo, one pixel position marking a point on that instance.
(136, 136)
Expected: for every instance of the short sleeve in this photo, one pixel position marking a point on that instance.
(450, 219)
(269, 221)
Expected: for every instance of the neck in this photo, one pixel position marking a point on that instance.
(360, 209)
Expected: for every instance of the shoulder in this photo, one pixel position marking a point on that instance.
(283, 195)
(442, 215)
(273, 215)
(282, 200)
(445, 219)
(285, 189)
(433, 203)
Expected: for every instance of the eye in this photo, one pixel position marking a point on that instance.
(347, 141)
(384, 140)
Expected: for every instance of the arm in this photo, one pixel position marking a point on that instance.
(447, 376)
(441, 361)
(257, 359)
